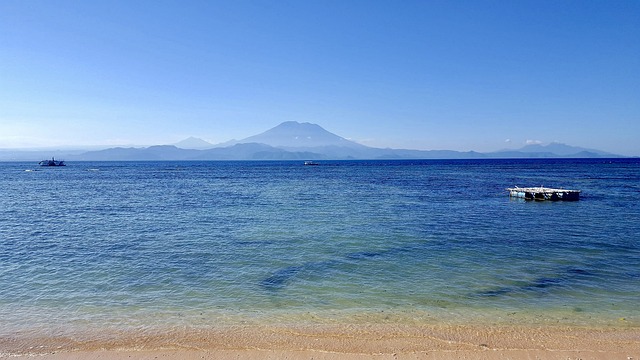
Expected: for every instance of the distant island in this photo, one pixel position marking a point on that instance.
(292, 140)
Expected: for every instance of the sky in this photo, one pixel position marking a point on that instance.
(458, 75)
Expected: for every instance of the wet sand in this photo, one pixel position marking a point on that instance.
(339, 342)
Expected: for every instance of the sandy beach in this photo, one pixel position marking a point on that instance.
(341, 342)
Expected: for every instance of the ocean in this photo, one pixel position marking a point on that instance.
(155, 246)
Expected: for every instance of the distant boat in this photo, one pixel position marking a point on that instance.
(310, 163)
(52, 162)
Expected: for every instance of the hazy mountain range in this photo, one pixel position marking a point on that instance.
(291, 141)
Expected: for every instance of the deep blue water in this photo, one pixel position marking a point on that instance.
(151, 244)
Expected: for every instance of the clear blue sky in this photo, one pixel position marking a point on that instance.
(460, 75)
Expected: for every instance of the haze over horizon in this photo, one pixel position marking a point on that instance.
(455, 75)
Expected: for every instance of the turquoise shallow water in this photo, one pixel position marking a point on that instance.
(169, 244)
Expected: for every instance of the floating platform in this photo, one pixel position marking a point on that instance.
(543, 193)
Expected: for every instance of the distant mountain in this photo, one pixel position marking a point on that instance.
(559, 149)
(251, 151)
(193, 143)
(293, 141)
(292, 134)
(552, 150)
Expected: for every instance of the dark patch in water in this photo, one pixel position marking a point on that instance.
(363, 255)
(544, 282)
(580, 272)
(540, 284)
(279, 279)
(495, 293)
(254, 242)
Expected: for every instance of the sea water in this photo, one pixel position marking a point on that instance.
(161, 245)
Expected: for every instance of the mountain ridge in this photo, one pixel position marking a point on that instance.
(292, 140)
(559, 148)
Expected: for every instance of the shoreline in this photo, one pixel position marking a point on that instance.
(384, 341)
